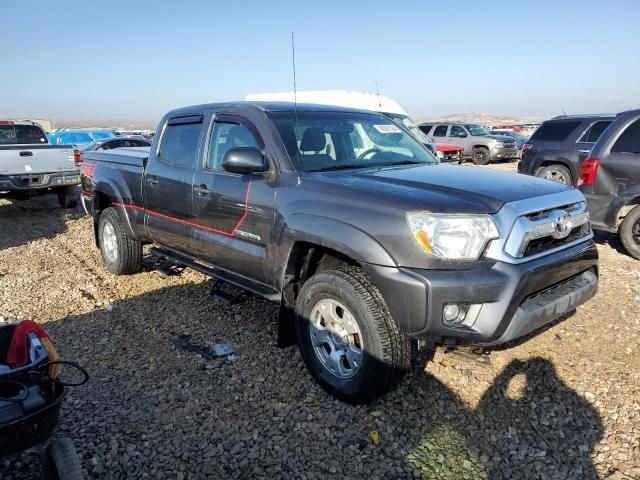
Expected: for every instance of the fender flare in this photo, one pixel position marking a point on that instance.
(117, 202)
(336, 235)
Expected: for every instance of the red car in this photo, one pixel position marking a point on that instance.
(448, 152)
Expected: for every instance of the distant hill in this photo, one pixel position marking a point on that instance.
(482, 119)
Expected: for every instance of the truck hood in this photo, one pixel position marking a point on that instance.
(500, 138)
(445, 188)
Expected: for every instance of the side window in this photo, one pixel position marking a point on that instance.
(110, 145)
(593, 133)
(425, 128)
(457, 131)
(440, 131)
(224, 137)
(629, 141)
(179, 144)
(138, 143)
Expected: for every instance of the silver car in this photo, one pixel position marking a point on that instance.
(478, 142)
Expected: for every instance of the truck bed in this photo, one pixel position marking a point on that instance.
(132, 156)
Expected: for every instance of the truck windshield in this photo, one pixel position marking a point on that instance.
(477, 130)
(21, 135)
(318, 141)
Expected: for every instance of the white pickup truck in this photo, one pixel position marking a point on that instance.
(30, 165)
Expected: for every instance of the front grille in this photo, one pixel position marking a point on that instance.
(509, 144)
(543, 244)
(550, 229)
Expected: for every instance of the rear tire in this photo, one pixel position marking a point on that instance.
(480, 156)
(630, 233)
(66, 462)
(385, 353)
(556, 173)
(67, 196)
(121, 254)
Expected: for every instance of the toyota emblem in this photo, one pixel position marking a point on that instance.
(561, 224)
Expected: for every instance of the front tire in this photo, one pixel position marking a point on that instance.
(121, 254)
(67, 196)
(347, 338)
(630, 233)
(480, 156)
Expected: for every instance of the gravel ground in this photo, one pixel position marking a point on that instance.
(565, 404)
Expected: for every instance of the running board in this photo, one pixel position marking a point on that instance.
(220, 275)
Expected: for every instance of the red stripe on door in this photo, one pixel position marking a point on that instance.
(195, 224)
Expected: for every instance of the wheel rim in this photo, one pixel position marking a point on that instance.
(109, 242)
(479, 156)
(635, 232)
(336, 338)
(555, 176)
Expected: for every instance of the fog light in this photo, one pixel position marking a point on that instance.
(454, 313)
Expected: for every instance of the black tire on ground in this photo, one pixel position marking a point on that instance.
(480, 156)
(65, 462)
(67, 196)
(386, 352)
(630, 233)
(121, 254)
(556, 173)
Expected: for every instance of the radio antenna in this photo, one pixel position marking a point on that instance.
(378, 93)
(295, 99)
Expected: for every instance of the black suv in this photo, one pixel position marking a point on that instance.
(557, 148)
(610, 179)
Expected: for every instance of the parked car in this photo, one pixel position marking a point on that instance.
(556, 149)
(368, 246)
(117, 142)
(30, 165)
(448, 152)
(79, 137)
(610, 179)
(477, 141)
(520, 139)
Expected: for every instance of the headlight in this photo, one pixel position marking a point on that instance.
(498, 145)
(453, 237)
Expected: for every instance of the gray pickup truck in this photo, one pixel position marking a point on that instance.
(368, 244)
(30, 165)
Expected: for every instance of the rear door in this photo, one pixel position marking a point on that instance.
(619, 171)
(234, 212)
(167, 183)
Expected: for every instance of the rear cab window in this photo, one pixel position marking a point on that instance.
(557, 131)
(179, 143)
(22, 135)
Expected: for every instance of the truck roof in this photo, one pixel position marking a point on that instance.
(342, 98)
(268, 107)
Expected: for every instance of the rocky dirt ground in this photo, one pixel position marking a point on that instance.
(565, 404)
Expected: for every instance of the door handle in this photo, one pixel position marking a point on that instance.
(152, 181)
(26, 154)
(202, 190)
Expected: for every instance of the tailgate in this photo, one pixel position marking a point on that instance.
(27, 159)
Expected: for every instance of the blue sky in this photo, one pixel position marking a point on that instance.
(136, 60)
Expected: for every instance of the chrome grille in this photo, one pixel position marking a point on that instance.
(544, 230)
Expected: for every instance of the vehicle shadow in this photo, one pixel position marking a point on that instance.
(23, 221)
(528, 424)
(611, 239)
(158, 404)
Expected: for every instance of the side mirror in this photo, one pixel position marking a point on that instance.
(461, 134)
(244, 160)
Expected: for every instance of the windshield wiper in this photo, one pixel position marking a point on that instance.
(339, 167)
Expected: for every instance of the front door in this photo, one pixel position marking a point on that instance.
(235, 212)
(167, 183)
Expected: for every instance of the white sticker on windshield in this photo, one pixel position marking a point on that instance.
(387, 128)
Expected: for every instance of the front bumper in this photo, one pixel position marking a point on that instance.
(513, 300)
(38, 181)
(504, 153)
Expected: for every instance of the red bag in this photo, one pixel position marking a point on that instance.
(18, 354)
